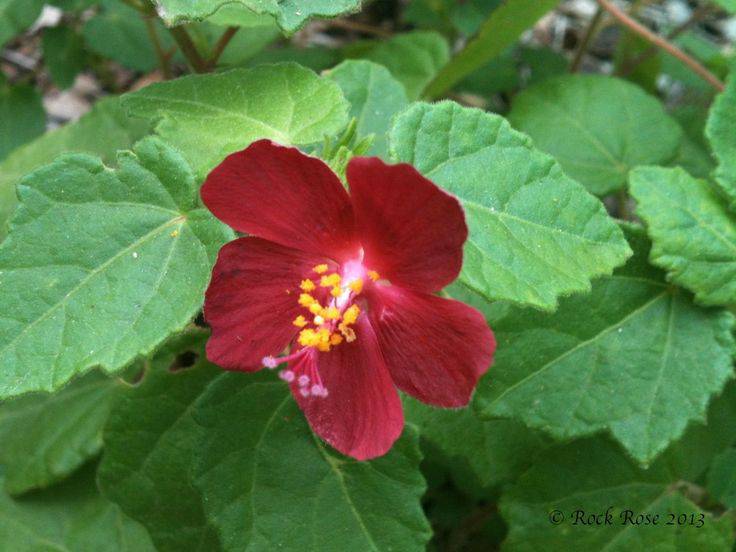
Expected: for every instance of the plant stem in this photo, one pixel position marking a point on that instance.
(356, 26)
(698, 15)
(222, 43)
(187, 47)
(163, 59)
(590, 32)
(623, 205)
(662, 43)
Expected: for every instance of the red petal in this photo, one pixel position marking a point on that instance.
(436, 349)
(280, 194)
(247, 304)
(412, 231)
(362, 415)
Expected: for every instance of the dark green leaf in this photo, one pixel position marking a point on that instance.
(722, 478)
(590, 476)
(413, 58)
(480, 454)
(597, 127)
(16, 16)
(23, 117)
(70, 517)
(47, 436)
(64, 55)
(273, 485)
(634, 357)
(150, 442)
(118, 32)
(496, 34)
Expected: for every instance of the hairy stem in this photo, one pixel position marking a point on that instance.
(590, 32)
(187, 47)
(222, 43)
(698, 15)
(163, 58)
(662, 43)
(350, 25)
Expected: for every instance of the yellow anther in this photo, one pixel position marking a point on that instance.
(373, 275)
(351, 315)
(307, 285)
(300, 321)
(331, 313)
(307, 337)
(336, 291)
(174, 233)
(305, 300)
(349, 333)
(321, 268)
(323, 340)
(315, 308)
(330, 280)
(335, 339)
(356, 285)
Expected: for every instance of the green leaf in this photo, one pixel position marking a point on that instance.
(693, 232)
(722, 478)
(47, 436)
(71, 516)
(102, 131)
(22, 114)
(692, 456)
(720, 133)
(374, 97)
(150, 440)
(501, 30)
(480, 454)
(449, 15)
(208, 117)
(257, 31)
(100, 265)
(597, 127)
(16, 16)
(290, 15)
(501, 74)
(591, 476)
(248, 478)
(63, 54)
(634, 357)
(468, 16)
(316, 58)
(535, 234)
(173, 462)
(413, 58)
(238, 15)
(118, 32)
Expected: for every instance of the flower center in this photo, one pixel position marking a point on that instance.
(330, 312)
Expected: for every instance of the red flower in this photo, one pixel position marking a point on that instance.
(347, 282)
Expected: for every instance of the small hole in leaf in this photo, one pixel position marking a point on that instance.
(183, 361)
(199, 320)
